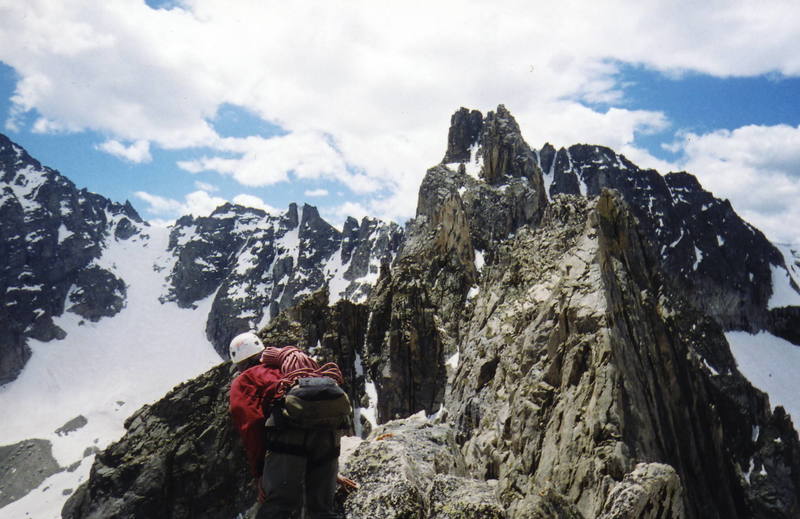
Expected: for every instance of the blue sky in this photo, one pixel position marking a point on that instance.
(179, 105)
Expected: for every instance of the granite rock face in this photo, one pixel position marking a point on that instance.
(581, 362)
(465, 129)
(413, 468)
(417, 304)
(51, 236)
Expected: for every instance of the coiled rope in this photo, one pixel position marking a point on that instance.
(295, 364)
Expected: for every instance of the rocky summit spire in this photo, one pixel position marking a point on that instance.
(490, 147)
(505, 153)
(465, 128)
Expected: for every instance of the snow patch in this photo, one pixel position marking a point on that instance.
(246, 260)
(771, 364)
(548, 176)
(187, 235)
(698, 257)
(46, 500)
(371, 412)
(673, 244)
(475, 164)
(25, 186)
(479, 260)
(63, 233)
(334, 271)
(783, 294)
(453, 360)
(710, 368)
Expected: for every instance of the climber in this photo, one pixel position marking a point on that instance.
(294, 459)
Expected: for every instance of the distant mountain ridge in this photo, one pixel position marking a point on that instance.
(258, 264)
(52, 238)
(255, 264)
(51, 235)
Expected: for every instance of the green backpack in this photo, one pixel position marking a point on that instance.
(314, 403)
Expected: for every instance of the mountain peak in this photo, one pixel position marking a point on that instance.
(465, 128)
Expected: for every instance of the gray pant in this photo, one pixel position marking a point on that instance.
(300, 469)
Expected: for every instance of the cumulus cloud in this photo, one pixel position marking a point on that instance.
(366, 92)
(338, 214)
(256, 202)
(316, 192)
(137, 152)
(159, 204)
(264, 161)
(200, 203)
(197, 203)
(205, 186)
(757, 167)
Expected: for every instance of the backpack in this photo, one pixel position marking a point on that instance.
(313, 403)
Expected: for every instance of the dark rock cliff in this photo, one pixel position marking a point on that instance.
(253, 264)
(332, 333)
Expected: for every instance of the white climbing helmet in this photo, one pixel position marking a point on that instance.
(244, 346)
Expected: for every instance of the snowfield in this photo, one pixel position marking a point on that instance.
(104, 371)
(772, 365)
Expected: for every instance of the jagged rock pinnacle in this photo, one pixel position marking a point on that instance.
(465, 128)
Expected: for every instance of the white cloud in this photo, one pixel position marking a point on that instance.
(205, 186)
(338, 214)
(756, 167)
(316, 192)
(366, 89)
(137, 152)
(197, 203)
(563, 123)
(159, 204)
(254, 201)
(265, 161)
(200, 203)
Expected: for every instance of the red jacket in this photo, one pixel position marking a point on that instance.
(248, 391)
